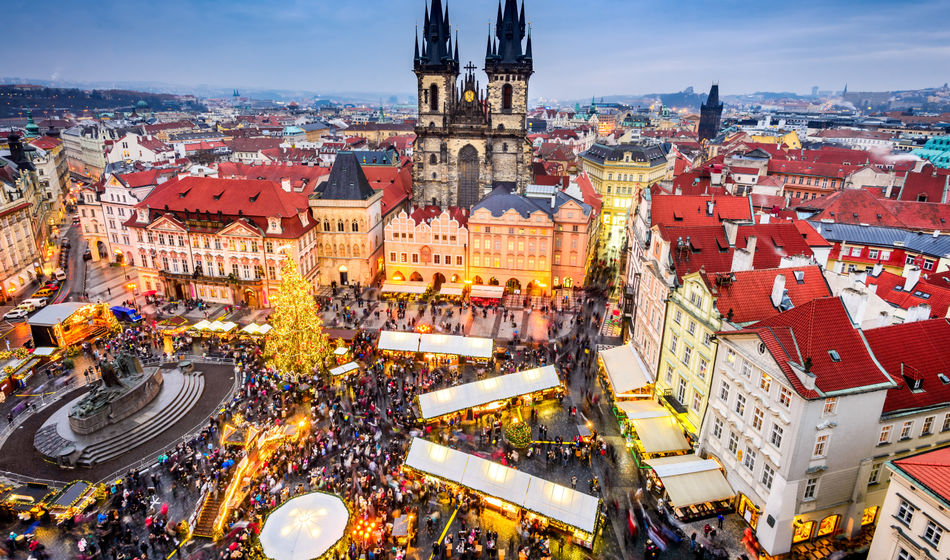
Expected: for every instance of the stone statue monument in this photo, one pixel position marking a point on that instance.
(122, 391)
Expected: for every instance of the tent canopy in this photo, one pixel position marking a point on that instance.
(624, 369)
(304, 527)
(660, 435)
(345, 368)
(55, 313)
(478, 393)
(554, 501)
(404, 287)
(451, 289)
(690, 480)
(399, 341)
(487, 292)
(641, 409)
(340, 351)
(468, 346)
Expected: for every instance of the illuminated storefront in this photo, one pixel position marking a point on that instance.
(64, 324)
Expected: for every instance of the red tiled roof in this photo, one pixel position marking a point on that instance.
(744, 170)
(921, 350)
(935, 293)
(842, 206)
(46, 142)
(710, 250)
(17, 208)
(788, 167)
(428, 213)
(691, 210)
(591, 198)
(145, 178)
(924, 186)
(252, 144)
(304, 177)
(749, 294)
(812, 331)
(230, 196)
(930, 469)
(767, 202)
(810, 235)
(153, 144)
(174, 125)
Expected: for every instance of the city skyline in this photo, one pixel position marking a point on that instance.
(331, 48)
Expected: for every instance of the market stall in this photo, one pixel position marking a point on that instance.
(509, 490)
(74, 499)
(694, 487)
(452, 345)
(394, 341)
(486, 295)
(63, 324)
(659, 436)
(254, 329)
(489, 394)
(623, 374)
(344, 369)
(451, 289)
(305, 527)
(403, 289)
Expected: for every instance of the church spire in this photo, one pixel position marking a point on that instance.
(510, 30)
(416, 55)
(527, 49)
(436, 50)
(456, 46)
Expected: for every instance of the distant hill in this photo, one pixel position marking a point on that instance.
(15, 99)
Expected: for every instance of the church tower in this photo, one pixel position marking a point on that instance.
(436, 68)
(710, 114)
(509, 65)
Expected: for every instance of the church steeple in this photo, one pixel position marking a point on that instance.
(436, 52)
(510, 32)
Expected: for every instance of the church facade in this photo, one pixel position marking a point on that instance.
(469, 138)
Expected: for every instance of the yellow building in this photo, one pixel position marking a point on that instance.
(618, 174)
(790, 139)
(688, 351)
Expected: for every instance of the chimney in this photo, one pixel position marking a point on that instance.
(285, 184)
(918, 313)
(876, 271)
(856, 303)
(710, 207)
(732, 229)
(742, 258)
(911, 277)
(778, 290)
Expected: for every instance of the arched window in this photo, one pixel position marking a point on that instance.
(432, 159)
(433, 97)
(356, 250)
(339, 226)
(355, 226)
(504, 146)
(506, 97)
(326, 225)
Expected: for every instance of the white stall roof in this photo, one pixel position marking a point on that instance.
(690, 480)
(483, 291)
(660, 435)
(642, 409)
(469, 346)
(404, 287)
(228, 326)
(345, 368)
(681, 464)
(202, 325)
(264, 329)
(562, 503)
(55, 313)
(399, 341)
(554, 501)
(340, 351)
(462, 397)
(304, 527)
(624, 369)
(451, 289)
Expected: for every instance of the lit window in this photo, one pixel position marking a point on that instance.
(831, 404)
(758, 418)
(885, 436)
(821, 446)
(906, 428)
(740, 404)
(785, 397)
(697, 401)
(928, 426)
(765, 382)
(703, 367)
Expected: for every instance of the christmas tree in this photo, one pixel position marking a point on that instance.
(297, 343)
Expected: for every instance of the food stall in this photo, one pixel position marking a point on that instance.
(345, 369)
(311, 526)
(403, 290)
(253, 329)
(451, 291)
(64, 324)
(16, 367)
(486, 295)
(488, 395)
(508, 490)
(29, 500)
(694, 488)
(471, 348)
(623, 374)
(398, 342)
(74, 499)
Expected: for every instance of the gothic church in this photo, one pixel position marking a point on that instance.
(469, 139)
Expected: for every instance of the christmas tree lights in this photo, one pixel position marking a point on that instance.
(297, 343)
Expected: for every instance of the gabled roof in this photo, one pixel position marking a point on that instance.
(919, 350)
(46, 142)
(924, 186)
(691, 210)
(748, 294)
(814, 330)
(501, 200)
(230, 196)
(890, 288)
(428, 213)
(346, 181)
(788, 167)
(858, 206)
(591, 198)
(600, 153)
(930, 469)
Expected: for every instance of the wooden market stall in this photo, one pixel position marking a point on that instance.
(511, 491)
(623, 374)
(695, 488)
(408, 289)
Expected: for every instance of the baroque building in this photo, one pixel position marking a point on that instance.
(468, 138)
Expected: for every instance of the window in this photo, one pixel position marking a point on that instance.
(906, 428)
(785, 397)
(746, 369)
(691, 328)
(831, 404)
(458, 260)
(730, 356)
(436, 259)
(928, 264)
(946, 422)
(697, 400)
(873, 253)
(885, 255)
(902, 554)
(669, 374)
(811, 486)
(758, 418)
(875, 474)
(703, 367)
(740, 404)
(506, 97)
(932, 533)
(687, 354)
(905, 512)
(768, 473)
(821, 446)
(910, 260)
(415, 258)
(678, 317)
(717, 428)
(707, 339)
(765, 382)
(928, 426)
(749, 458)
(673, 340)
(733, 442)
(885, 436)
(392, 257)
(775, 438)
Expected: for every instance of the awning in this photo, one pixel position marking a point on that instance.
(478, 393)
(404, 287)
(624, 370)
(304, 527)
(44, 351)
(660, 435)
(690, 480)
(201, 325)
(450, 289)
(398, 341)
(344, 369)
(487, 292)
(149, 293)
(469, 346)
(556, 502)
(340, 351)
(641, 409)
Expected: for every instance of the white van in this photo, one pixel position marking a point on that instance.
(59, 274)
(36, 302)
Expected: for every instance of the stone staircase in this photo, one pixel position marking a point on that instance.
(204, 526)
(188, 394)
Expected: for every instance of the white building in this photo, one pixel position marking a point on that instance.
(136, 147)
(792, 417)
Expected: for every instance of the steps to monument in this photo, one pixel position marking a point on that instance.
(204, 526)
(188, 394)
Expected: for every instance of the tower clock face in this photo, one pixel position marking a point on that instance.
(469, 95)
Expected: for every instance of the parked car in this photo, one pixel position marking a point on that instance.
(59, 274)
(26, 306)
(36, 302)
(15, 314)
(43, 292)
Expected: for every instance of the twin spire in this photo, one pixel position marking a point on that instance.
(438, 53)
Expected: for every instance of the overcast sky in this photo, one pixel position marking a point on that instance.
(581, 48)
